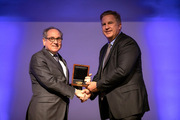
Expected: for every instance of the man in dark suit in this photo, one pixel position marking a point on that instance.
(119, 79)
(50, 80)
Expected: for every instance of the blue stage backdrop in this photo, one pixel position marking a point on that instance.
(157, 34)
(159, 42)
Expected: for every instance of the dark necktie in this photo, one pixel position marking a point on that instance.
(107, 54)
(56, 57)
(63, 67)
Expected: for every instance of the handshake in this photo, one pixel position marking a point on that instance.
(85, 94)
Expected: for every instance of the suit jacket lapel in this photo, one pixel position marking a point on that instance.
(110, 53)
(67, 73)
(50, 57)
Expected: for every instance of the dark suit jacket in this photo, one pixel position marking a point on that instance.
(51, 91)
(121, 80)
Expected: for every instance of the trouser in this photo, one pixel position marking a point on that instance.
(107, 113)
(133, 117)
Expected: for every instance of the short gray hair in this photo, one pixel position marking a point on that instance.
(49, 28)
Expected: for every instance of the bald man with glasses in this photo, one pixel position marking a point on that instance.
(50, 81)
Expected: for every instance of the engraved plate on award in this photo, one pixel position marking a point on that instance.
(79, 74)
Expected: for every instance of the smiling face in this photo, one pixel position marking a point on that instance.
(110, 27)
(55, 46)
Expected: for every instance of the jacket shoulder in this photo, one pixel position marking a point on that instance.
(124, 40)
(38, 55)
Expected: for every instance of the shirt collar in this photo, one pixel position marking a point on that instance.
(51, 53)
(112, 42)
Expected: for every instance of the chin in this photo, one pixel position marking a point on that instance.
(108, 36)
(54, 51)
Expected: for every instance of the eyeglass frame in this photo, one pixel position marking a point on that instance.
(52, 39)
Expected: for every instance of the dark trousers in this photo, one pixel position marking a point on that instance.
(134, 117)
(107, 113)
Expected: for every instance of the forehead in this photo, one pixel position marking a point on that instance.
(53, 32)
(107, 18)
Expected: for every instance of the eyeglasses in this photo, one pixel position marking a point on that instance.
(52, 39)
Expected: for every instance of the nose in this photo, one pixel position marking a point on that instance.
(55, 41)
(106, 26)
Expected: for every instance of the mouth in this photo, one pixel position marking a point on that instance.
(108, 31)
(55, 46)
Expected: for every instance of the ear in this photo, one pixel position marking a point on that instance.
(44, 41)
(120, 26)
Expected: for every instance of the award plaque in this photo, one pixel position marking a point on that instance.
(79, 74)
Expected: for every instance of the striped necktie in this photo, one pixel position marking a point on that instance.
(56, 57)
(107, 53)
